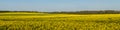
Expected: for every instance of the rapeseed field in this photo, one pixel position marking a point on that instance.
(41, 21)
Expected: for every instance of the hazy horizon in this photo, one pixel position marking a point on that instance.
(59, 5)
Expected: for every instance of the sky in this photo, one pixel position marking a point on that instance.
(59, 5)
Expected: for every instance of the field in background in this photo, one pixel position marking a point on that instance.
(45, 21)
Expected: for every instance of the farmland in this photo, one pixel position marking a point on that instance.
(45, 21)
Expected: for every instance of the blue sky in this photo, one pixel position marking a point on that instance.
(59, 5)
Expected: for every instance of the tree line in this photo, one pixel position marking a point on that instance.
(91, 12)
(73, 12)
(19, 11)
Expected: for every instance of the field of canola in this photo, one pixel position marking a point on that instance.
(36, 21)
